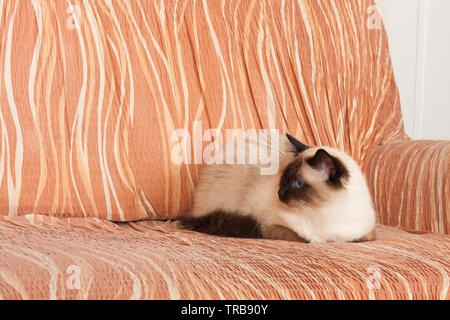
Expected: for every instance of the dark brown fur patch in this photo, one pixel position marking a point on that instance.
(277, 232)
(339, 173)
(298, 147)
(287, 189)
(224, 224)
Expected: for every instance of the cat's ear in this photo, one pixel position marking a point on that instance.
(299, 147)
(323, 162)
(331, 168)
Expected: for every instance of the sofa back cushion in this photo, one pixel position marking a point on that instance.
(92, 93)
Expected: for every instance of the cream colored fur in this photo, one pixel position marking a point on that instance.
(343, 215)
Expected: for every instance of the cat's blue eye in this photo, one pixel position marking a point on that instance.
(299, 183)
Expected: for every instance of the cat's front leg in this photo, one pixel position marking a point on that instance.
(277, 232)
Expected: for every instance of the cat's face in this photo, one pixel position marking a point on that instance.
(312, 177)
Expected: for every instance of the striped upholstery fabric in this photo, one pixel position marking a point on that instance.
(91, 92)
(410, 182)
(94, 259)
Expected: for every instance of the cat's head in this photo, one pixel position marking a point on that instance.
(315, 175)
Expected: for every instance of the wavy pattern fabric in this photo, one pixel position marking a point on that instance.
(91, 92)
(410, 182)
(55, 258)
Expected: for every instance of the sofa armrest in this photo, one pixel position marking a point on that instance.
(410, 184)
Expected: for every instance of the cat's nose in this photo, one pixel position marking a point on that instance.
(282, 194)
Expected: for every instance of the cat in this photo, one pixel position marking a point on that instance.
(319, 194)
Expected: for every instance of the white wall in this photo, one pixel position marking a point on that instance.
(419, 38)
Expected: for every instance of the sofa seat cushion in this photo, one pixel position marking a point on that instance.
(54, 258)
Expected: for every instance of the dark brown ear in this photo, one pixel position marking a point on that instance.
(331, 166)
(299, 147)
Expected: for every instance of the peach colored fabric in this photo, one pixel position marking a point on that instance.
(42, 258)
(410, 182)
(91, 93)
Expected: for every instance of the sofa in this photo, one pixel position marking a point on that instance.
(91, 93)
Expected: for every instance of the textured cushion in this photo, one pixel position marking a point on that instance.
(43, 257)
(410, 182)
(90, 95)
